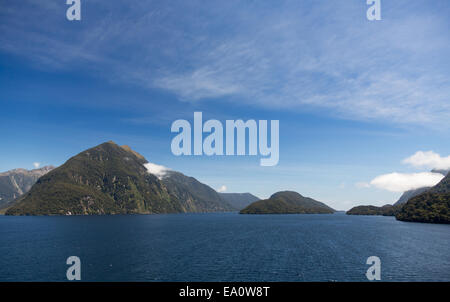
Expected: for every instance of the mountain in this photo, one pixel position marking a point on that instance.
(443, 187)
(110, 179)
(15, 183)
(432, 206)
(239, 200)
(410, 194)
(194, 195)
(441, 171)
(386, 210)
(287, 202)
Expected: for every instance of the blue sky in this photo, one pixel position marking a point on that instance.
(354, 98)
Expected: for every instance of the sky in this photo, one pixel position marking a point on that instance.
(363, 106)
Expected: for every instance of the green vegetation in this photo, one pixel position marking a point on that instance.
(420, 205)
(107, 179)
(432, 206)
(386, 210)
(428, 207)
(443, 187)
(410, 194)
(287, 202)
(193, 195)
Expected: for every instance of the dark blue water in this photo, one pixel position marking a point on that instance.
(222, 247)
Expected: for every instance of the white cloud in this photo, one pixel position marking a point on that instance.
(282, 69)
(401, 182)
(157, 170)
(222, 189)
(428, 159)
(36, 165)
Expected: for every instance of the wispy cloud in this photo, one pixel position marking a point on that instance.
(36, 165)
(322, 56)
(200, 84)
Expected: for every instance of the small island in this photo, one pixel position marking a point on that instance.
(386, 210)
(287, 202)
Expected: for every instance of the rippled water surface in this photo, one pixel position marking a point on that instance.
(222, 247)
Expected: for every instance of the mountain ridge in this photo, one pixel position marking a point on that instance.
(407, 195)
(14, 183)
(239, 200)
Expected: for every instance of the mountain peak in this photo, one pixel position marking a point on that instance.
(287, 194)
(127, 148)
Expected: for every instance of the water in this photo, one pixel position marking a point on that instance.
(222, 247)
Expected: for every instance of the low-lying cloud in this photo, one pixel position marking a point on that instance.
(428, 159)
(157, 170)
(222, 189)
(401, 182)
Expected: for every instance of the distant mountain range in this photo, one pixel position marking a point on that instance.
(15, 183)
(287, 202)
(239, 200)
(112, 179)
